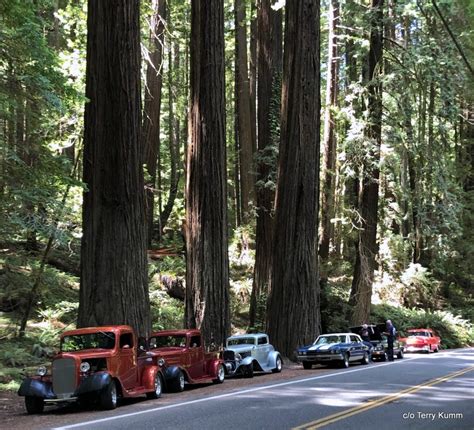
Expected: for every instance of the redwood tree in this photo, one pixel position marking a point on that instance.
(152, 109)
(207, 262)
(329, 165)
(269, 90)
(293, 308)
(365, 265)
(114, 287)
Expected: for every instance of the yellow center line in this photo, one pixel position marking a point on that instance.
(378, 402)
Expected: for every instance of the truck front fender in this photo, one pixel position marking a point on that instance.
(171, 372)
(93, 383)
(32, 387)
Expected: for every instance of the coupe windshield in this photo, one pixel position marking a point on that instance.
(99, 340)
(321, 340)
(177, 341)
(241, 341)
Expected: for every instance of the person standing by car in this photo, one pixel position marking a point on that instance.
(365, 336)
(390, 333)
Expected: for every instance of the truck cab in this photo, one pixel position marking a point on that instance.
(185, 350)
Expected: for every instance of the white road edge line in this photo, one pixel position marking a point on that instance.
(236, 393)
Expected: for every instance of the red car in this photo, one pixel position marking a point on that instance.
(421, 339)
(184, 350)
(95, 364)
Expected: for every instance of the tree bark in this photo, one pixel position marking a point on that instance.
(207, 263)
(152, 110)
(361, 293)
(293, 307)
(269, 90)
(114, 284)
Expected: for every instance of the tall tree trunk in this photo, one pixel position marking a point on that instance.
(207, 263)
(152, 110)
(244, 119)
(368, 249)
(293, 307)
(173, 132)
(269, 90)
(114, 284)
(329, 163)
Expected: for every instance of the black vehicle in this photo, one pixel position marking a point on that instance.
(379, 342)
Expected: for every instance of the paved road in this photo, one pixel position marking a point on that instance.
(419, 392)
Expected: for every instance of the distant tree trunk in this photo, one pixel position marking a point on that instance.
(244, 119)
(293, 307)
(351, 186)
(173, 127)
(269, 93)
(368, 249)
(329, 164)
(253, 74)
(152, 110)
(207, 263)
(114, 287)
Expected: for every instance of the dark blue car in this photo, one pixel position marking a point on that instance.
(338, 348)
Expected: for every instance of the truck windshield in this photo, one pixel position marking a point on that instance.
(241, 341)
(99, 340)
(177, 341)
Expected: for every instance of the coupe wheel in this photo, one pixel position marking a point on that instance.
(156, 394)
(108, 397)
(248, 371)
(278, 366)
(220, 375)
(365, 359)
(384, 357)
(34, 405)
(400, 354)
(307, 365)
(177, 385)
(345, 361)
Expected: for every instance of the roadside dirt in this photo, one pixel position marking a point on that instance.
(14, 417)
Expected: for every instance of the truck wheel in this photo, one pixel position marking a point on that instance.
(158, 388)
(177, 385)
(278, 366)
(34, 405)
(307, 365)
(108, 396)
(220, 375)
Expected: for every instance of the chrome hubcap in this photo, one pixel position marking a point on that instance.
(158, 385)
(113, 394)
(181, 381)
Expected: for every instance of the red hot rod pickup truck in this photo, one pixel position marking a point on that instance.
(96, 364)
(185, 350)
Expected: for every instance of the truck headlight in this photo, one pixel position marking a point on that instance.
(85, 367)
(41, 371)
(238, 356)
(161, 362)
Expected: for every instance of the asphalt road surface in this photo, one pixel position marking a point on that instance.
(419, 392)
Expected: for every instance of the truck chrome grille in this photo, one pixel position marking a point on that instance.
(64, 377)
